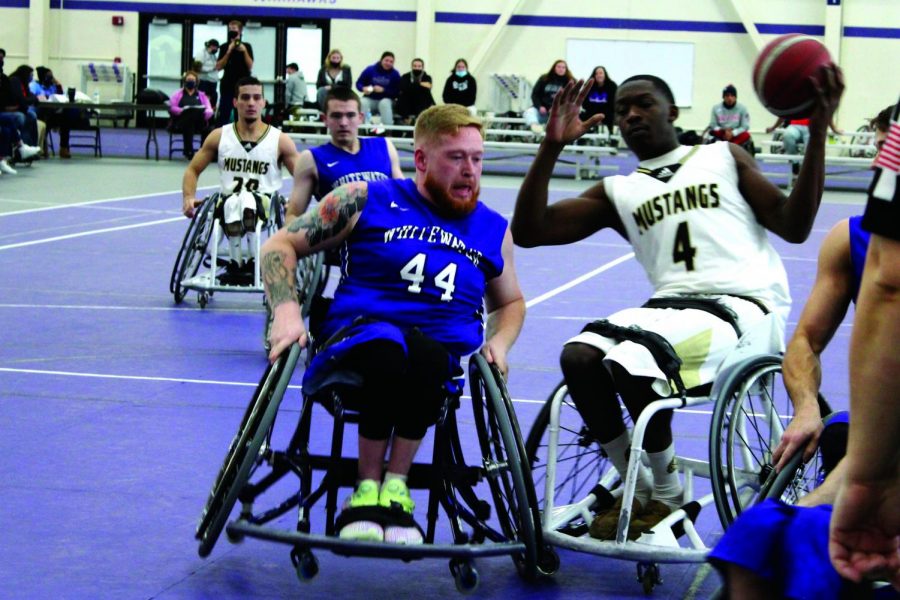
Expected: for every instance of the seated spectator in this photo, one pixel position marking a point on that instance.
(191, 112)
(25, 102)
(601, 98)
(461, 88)
(294, 87)
(796, 131)
(380, 85)
(334, 73)
(730, 121)
(208, 75)
(13, 122)
(45, 88)
(542, 95)
(415, 92)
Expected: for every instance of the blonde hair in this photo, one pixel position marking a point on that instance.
(327, 62)
(446, 119)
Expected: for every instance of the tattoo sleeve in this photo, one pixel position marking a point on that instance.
(332, 215)
(277, 279)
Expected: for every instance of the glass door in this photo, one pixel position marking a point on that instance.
(164, 51)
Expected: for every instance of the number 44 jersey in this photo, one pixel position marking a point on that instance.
(406, 264)
(693, 231)
(253, 164)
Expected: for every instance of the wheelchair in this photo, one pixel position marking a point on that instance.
(488, 503)
(574, 478)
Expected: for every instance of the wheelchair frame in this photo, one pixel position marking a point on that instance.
(450, 481)
(201, 247)
(744, 412)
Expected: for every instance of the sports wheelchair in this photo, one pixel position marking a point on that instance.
(488, 503)
(574, 478)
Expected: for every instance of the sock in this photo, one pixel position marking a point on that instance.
(389, 476)
(234, 245)
(251, 244)
(666, 483)
(618, 451)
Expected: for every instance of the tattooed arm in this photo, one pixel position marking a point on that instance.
(326, 226)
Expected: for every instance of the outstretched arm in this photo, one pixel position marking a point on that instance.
(506, 310)
(533, 222)
(792, 217)
(825, 309)
(327, 226)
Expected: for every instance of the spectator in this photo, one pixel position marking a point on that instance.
(601, 99)
(191, 112)
(415, 92)
(380, 85)
(26, 102)
(46, 87)
(294, 87)
(235, 62)
(542, 95)
(13, 122)
(208, 75)
(461, 88)
(796, 132)
(729, 121)
(334, 73)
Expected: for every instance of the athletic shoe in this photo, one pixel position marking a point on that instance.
(653, 513)
(395, 496)
(5, 168)
(25, 151)
(65, 153)
(606, 523)
(363, 499)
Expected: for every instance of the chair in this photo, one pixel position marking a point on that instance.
(86, 133)
(176, 142)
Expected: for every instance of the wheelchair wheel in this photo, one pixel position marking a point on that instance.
(245, 452)
(312, 275)
(503, 453)
(751, 412)
(581, 463)
(193, 248)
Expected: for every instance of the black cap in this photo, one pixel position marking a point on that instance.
(730, 90)
(211, 42)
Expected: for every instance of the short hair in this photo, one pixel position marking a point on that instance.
(248, 80)
(661, 86)
(189, 74)
(446, 119)
(385, 54)
(3, 52)
(293, 66)
(212, 42)
(342, 94)
(730, 90)
(237, 22)
(417, 59)
(882, 121)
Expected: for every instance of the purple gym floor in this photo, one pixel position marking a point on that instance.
(117, 407)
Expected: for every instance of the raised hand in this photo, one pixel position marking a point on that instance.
(564, 125)
(828, 97)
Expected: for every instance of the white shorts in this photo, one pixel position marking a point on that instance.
(236, 204)
(700, 339)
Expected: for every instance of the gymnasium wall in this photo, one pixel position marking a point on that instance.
(865, 34)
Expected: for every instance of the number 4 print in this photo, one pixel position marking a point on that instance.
(413, 272)
(683, 251)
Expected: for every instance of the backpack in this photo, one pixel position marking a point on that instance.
(151, 96)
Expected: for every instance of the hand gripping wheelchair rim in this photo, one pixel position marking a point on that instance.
(193, 247)
(246, 451)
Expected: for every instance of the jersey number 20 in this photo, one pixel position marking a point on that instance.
(413, 272)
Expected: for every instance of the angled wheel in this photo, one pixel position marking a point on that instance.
(193, 248)
(581, 463)
(244, 453)
(503, 453)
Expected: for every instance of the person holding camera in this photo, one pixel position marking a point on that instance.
(236, 62)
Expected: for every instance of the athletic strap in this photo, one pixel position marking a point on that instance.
(658, 346)
(709, 305)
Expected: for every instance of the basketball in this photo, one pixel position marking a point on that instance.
(782, 71)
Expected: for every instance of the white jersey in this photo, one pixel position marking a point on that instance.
(255, 169)
(695, 233)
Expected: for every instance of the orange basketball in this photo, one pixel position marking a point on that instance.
(781, 74)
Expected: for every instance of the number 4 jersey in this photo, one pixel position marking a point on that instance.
(407, 265)
(693, 231)
(254, 164)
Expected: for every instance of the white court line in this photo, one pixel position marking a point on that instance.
(130, 308)
(93, 232)
(89, 202)
(574, 282)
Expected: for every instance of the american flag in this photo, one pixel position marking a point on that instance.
(884, 186)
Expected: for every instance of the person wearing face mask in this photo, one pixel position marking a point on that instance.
(235, 62)
(415, 92)
(191, 112)
(380, 86)
(208, 75)
(334, 73)
(45, 87)
(461, 88)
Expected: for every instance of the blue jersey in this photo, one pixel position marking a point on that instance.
(336, 166)
(407, 265)
(859, 245)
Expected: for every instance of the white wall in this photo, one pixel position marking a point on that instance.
(870, 64)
